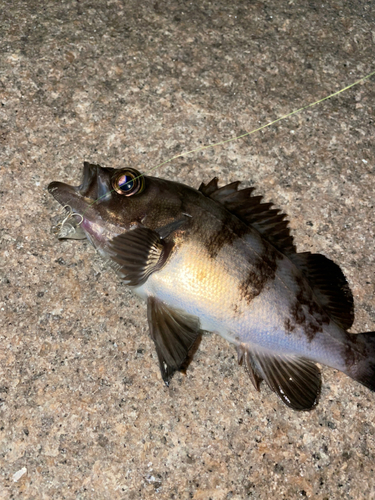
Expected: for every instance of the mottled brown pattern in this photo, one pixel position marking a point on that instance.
(231, 229)
(297, 312)
(236, 309)
(305, 312)
(260, 273)
(329, 285)
(288, 326)
(311, 329)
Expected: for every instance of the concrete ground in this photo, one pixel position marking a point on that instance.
(84, 413)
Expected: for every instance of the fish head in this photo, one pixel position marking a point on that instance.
(109, 202)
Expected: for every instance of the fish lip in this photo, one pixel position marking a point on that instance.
(70, 198)
(96, 182)
(94, 188)
(90, 173)
(63, 193)
(90, 176)
(85, 200)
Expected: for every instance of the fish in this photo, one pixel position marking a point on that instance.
(220, 259)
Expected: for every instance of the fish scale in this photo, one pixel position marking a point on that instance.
(258, 324)
(221, 260)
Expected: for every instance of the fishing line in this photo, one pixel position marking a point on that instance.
(263, 126)
(203, 148)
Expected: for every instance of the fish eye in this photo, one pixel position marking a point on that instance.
(128, 182)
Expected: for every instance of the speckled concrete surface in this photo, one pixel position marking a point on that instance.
(84, 414)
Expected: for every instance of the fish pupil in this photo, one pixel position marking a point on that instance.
(126, 183)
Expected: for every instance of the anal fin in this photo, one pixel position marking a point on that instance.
(174, 333)
(295, 380)
(244, 358)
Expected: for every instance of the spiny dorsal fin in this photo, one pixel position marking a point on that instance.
(268, 221)
(324, 276)
(329, 285)
(295, 380)
(174, 333)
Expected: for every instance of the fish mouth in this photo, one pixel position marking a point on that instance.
(81, 203)
(94, 188)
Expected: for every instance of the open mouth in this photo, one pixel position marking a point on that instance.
(73, 205)
(95, 186)
(81, 203)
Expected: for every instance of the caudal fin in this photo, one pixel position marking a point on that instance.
(361, 359)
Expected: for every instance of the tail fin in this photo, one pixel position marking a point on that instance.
(361, 359)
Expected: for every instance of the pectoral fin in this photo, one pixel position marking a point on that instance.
(174, 333)
(141, 251)
(138, 253)
(295, 380)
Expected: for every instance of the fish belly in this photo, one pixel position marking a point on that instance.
(214, 291)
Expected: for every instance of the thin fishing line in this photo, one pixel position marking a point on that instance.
(203, 148)
(263, 126)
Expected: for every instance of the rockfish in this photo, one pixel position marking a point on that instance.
(218, 259)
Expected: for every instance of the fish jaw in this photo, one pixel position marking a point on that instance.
(86, 201)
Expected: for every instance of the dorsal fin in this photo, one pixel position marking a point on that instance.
(324, 276)
(329, 285)
(268, 221)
